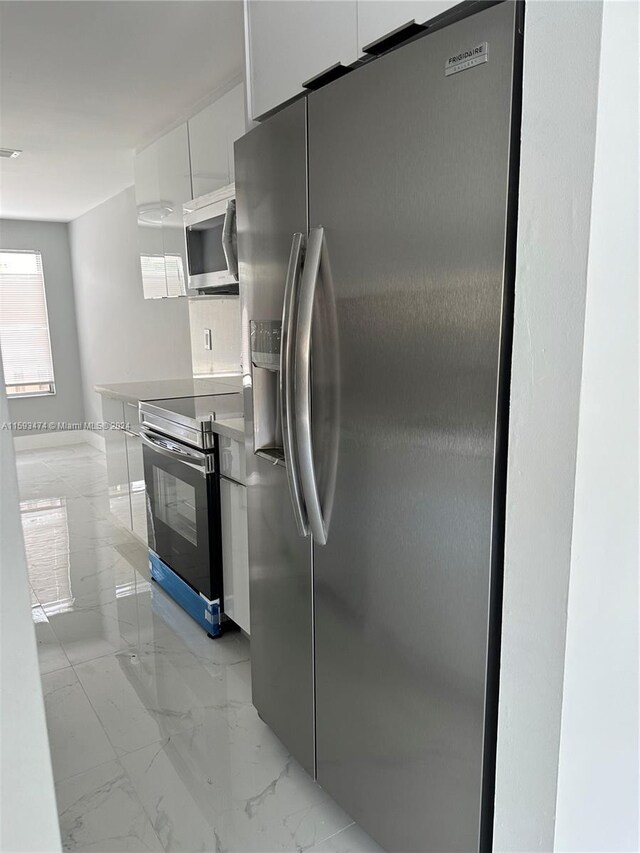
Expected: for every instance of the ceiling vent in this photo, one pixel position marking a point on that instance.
(10, 153)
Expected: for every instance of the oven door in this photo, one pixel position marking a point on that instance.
(183, 511)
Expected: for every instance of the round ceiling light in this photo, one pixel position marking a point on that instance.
(154, 214)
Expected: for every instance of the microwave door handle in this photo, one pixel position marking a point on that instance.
(227, 239)
(302, 380)
(286, 385)
(198, 461)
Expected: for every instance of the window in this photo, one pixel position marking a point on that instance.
(24, 326)
(154, 278)
(162, 275)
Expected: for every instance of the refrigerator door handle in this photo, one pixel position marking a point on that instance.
(302, 377)
(286, 385)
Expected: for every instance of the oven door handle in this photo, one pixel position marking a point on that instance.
(201, 462)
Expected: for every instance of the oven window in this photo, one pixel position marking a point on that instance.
(206, 254)
(176, 504)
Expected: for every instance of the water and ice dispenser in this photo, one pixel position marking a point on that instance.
(265, 340)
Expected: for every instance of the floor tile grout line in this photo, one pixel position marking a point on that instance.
(164, 739)
(139, 798)
(116, 760)
(119, 754)
(140, 803)
(334, 834)
(57, 669)
(64, 779)
(218, 813)
(95, 713)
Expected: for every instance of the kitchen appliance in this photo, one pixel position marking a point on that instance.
(210, 234)
(376, 234)
(182, 486)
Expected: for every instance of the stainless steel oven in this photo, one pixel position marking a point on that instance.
(183, 511)
(210, 235)
(181, 473)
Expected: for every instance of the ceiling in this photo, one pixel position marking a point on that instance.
(83, 84)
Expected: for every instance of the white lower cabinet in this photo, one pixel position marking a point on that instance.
(235, 552)
(125, 473)
(137, 494)
(235, 533)
(116, 452)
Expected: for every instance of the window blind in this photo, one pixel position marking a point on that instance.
(162, 275)
(24, 326)
(175, 275)
(154, 280)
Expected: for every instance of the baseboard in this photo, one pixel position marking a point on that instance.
(95, 439)
(59, 438)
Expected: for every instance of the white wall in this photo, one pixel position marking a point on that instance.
(598, 792)
(562, 46)
(123, 337)
(52, 240)
(220, 314)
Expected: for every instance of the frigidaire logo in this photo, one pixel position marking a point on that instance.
(467, 54)
(467, 59)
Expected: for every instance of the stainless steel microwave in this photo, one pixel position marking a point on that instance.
(210, 234)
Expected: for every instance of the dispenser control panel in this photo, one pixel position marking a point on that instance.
(265, 343)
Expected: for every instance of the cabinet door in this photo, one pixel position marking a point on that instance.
(290, 41)
(113, 414)
(212, 133)
(136, 472)
(174, 173)
(235, 552)
(236, 123)
(209, 157)
(232, 458)
(150, 211)
(376, 18)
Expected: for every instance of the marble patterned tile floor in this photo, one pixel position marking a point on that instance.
(154, 741)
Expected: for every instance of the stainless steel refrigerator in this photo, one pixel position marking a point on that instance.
(376, 230)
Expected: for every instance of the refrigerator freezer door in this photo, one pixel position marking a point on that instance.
(408, 175)
(271, 200)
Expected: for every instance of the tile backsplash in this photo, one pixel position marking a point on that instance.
(221, 315)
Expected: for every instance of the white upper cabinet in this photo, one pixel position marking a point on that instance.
(150, 213)
(236, 110)
(174, 176)
(193, 159)
(291, 41)
(212, 133)
(377, 18)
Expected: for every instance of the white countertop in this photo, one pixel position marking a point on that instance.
(164, 389)
(232, 428)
